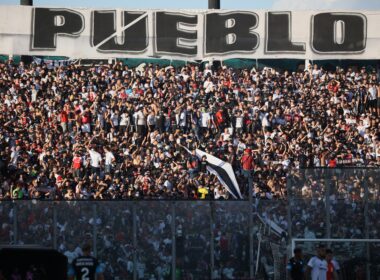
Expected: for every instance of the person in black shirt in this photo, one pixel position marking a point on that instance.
(85, 267)
(160, 122)
(203, 164)
(296, 266)
(193, 165)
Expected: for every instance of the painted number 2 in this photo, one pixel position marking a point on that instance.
(85, 271)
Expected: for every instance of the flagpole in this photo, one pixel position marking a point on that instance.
(26, 58)
(258, 253)
(251, 259)
(214, 4)
(26, 2)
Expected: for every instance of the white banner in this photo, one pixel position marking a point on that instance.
(189, 34)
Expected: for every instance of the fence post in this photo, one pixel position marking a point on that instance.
(15, 223)
(134, 236)
(289, 212)
(94, 230)
(327, 205)
(15, 230)
(250, 232)
(212, 249)
(174, 251)
(55, 232)
(366, 225)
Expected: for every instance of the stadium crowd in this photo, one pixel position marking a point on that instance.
(347, 191)
(114, 132)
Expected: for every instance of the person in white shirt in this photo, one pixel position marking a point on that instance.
(277, 94)
(225, 136)
(84, 93)
(218, 192)
(205, 121)
(95, 160)
(140, 121)
(239, 123)
(182, 120)
(34, 93)
(316, 72)
(109, 160)
(372, 98)
(317, 265)
(184, 75)
(115, 119)
(207, 70)
(15, 155)
(124, 122)
(208, 85)
(151, 121)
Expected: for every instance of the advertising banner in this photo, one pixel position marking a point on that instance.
(189, 34)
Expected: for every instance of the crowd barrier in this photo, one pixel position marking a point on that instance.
(209, 239)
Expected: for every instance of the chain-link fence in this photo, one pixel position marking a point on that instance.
(338, 205)
(208, 239)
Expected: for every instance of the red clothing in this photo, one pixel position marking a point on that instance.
(219, 117)
(24, 120)
(123, 95)
(332, 163)
(227, 83)
(246, 118)
(330, 271)
(333, 88)
(247, 162)
(86, 118)
(64, 117)
(193, 162)
(77, 162)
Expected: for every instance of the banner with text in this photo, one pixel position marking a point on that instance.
(189, 34)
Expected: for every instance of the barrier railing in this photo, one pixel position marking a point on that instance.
(204, 239)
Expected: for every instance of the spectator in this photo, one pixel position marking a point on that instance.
(77, 165)
(296, 266)
(247, 166)
(332, 266)
(95, 161)
(317, 265)
(49, 116)
(109, 160)
(193, 164)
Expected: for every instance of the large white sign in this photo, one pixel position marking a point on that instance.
(189, 35)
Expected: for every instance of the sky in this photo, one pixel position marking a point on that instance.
(202, 4)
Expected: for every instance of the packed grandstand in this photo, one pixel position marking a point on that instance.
(161, 143)
(110, 131)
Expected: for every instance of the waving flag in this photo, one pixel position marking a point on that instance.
(223, 171)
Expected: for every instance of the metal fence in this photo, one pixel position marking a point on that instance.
(207, 239)
(338, 204)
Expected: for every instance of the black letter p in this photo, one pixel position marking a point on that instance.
(49, 22)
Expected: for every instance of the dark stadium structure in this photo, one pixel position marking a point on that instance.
(32, 262)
